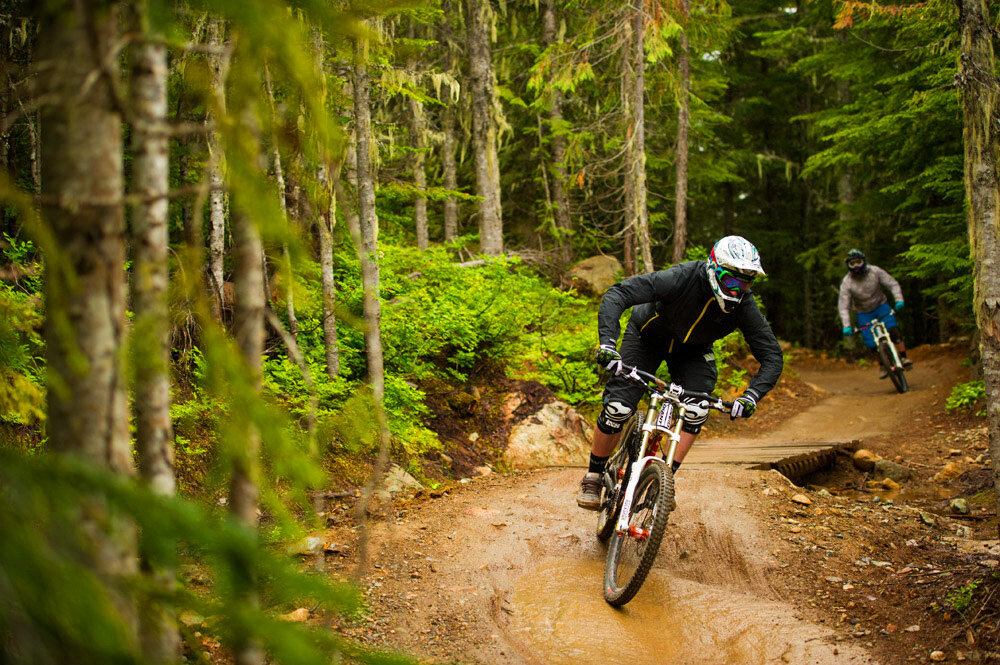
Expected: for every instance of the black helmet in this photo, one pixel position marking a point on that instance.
(856, 261)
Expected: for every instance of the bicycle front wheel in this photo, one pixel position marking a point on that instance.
(621, 460)
(896, 373)
(631, 554)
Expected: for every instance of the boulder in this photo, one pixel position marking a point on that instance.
(556, 434)
(950, 471)
(595, 275)
(864, 459)
(888, 469)
(398, 479)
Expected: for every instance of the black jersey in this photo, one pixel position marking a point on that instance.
(676, 308)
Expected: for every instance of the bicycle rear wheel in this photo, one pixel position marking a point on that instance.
(621, 458)
(896, 373)
(631, 555)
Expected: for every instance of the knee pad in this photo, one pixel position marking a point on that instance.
(613, 417)
(695, 415)
(895, 335)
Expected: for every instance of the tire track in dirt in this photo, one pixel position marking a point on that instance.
(507, 570)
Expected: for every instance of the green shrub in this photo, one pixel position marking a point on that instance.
(967, 396)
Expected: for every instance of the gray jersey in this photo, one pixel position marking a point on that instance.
(865, 292)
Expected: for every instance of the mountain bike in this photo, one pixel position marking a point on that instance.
(888, 356)
(638, 492)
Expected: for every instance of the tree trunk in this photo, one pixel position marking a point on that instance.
(484, 131)
(981, 96)
(279, 181)
(323, 223)
(85, 325)
(368, 221)
(633, 82)
(324, 229)
(248, 326)
(85, 286)
(151, 339)
(450, 173)
(683, 123)
(217, 196)
(560, 199)
(418, 158)
(365, 234)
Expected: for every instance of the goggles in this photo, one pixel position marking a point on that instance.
(733, 283)
(855, 263)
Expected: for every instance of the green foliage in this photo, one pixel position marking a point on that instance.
(961, 598)
(57, 606)
(22, 362)
(558, 349)
(968, 396)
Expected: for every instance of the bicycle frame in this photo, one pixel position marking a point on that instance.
(879, 333)
(660, 420)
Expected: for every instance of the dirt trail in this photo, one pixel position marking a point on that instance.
(507, 569)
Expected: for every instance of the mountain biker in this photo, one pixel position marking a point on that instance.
(676, 315)
(863, 290)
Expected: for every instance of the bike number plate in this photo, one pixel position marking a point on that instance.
(665, 418)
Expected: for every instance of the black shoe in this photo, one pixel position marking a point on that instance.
(589, 496)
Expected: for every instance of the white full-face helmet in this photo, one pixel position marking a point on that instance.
(732, 267)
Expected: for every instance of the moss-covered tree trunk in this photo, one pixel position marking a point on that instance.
(683, 123)
(85, 281)
(85, 328)
(151, 337)
(980, 99)
(450, 172)
(248, 327)
(484, 130)
(557, 143)
(633, 102)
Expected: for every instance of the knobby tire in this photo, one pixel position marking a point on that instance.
(623, 456)
(654, 497)
(896, 373)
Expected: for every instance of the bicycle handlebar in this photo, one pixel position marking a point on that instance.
(645, 378)
(858, 329)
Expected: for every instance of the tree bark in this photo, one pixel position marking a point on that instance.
(683, 124)
(557, 141)
(981, 111)
(323, 223)
(85, 327)
(279, 181)
(248, 326)
(633, 83)
(217, 196)
(85, 286)
(368, 221)
(364, 231)
(484, 132)
(450, 173)
(418, 158)
(151, 341)
(324, 229)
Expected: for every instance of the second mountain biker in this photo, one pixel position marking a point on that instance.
(863, 290)
(676, 315)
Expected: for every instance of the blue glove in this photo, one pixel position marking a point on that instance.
(745, 405)
(608, 357)
(848, 330)
(899, 305)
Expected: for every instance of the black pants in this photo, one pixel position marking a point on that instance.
(692, 367)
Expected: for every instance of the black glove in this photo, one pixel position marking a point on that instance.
(608, 357)
(745, 404)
